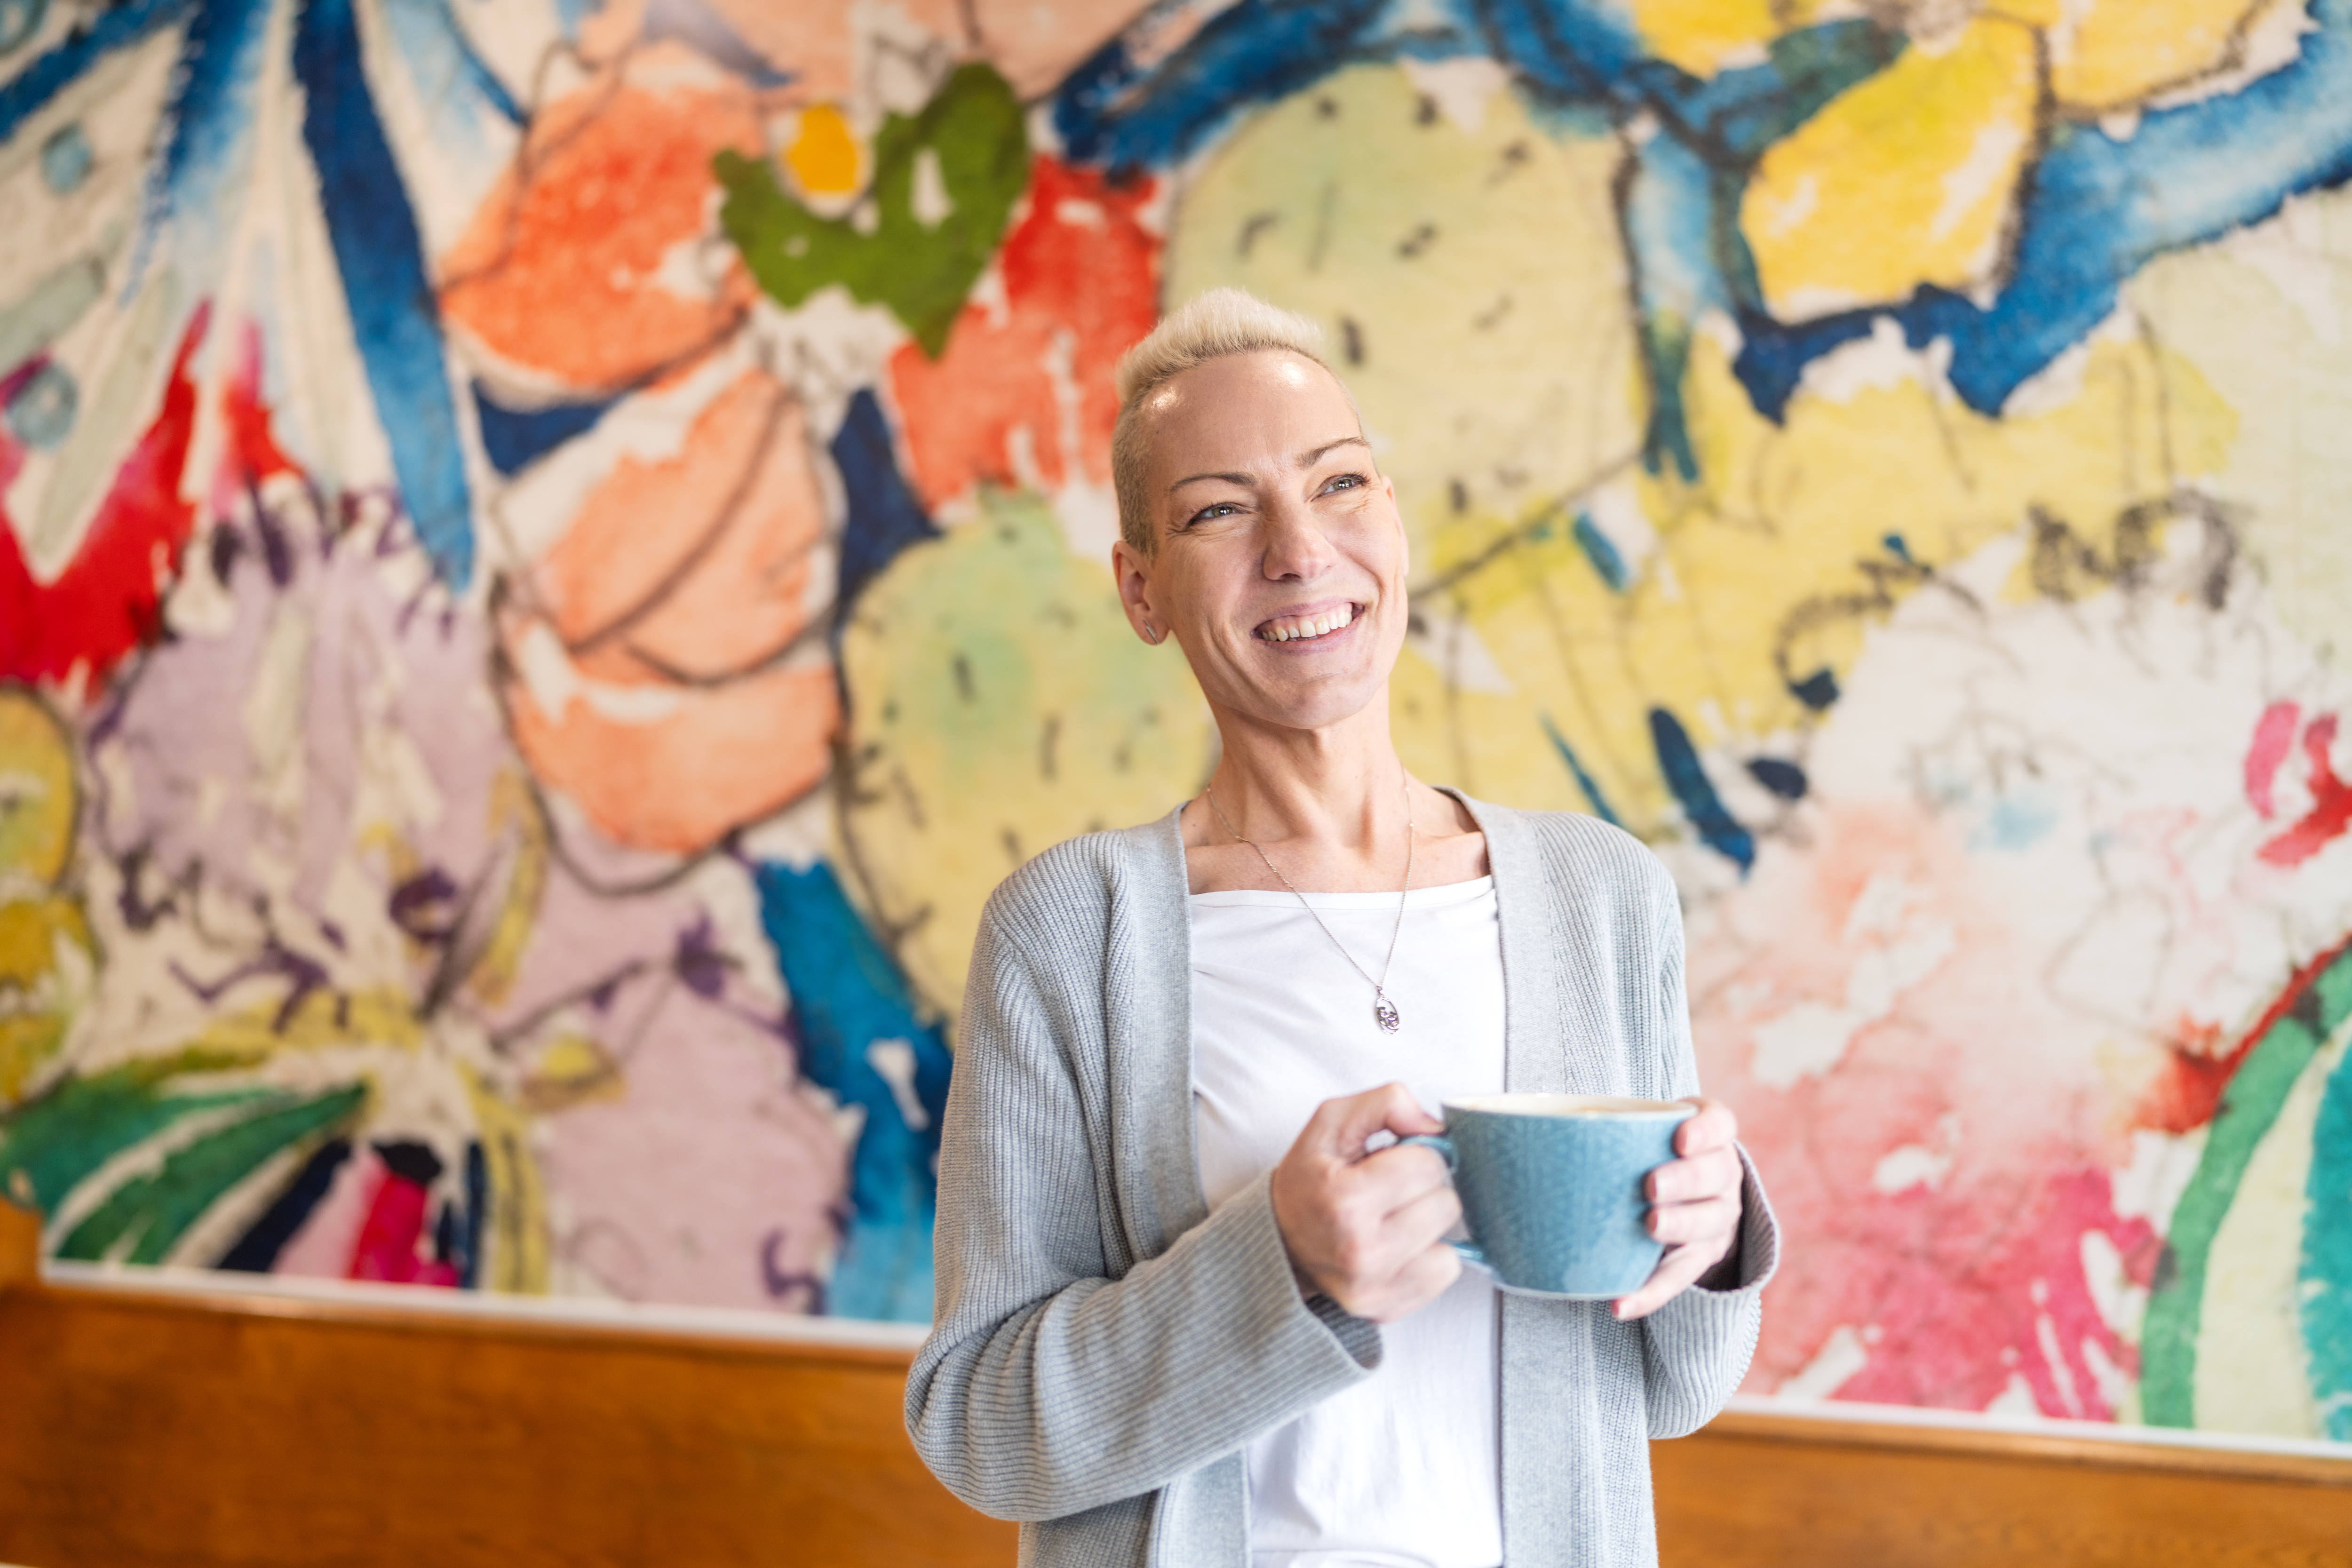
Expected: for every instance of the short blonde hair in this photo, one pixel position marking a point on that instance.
(1209, 326)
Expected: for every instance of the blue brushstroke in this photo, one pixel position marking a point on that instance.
(2099, 208)
(846, 996)
(452, 77)
(884, 515)
(211, 119)
(1702, 807)
(514, 438)
(709, 33)
(1602, 551)
(256, 1252)
(1669, 220)
(1784, 779)
(30, 90)
(2324, 1279)
(1584, 781)
(1111, 111)
(1817, 690)
(393, 313)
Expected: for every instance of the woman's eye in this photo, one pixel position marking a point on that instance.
(1342, 482)
(1214, 511)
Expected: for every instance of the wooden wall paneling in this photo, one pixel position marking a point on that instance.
(1755, 1491)
(138, 1430)
(211, 1429)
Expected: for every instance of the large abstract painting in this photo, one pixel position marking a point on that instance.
(554, 552)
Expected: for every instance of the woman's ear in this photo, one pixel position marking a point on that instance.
(1132, 572)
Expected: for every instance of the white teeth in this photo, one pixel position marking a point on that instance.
(1313, 627)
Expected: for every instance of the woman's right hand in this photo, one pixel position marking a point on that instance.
(1368, 1230)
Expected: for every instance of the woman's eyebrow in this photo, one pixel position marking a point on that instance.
(1308, 459)
(1243, 480)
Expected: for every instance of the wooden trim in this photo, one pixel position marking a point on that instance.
(1827, 1435)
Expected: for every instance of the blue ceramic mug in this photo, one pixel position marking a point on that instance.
(1552, 1188)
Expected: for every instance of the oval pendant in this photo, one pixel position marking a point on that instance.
(1384, 1013)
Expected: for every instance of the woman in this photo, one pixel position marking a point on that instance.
(1185, 1316)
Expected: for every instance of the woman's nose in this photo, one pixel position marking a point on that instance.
(1296, 547)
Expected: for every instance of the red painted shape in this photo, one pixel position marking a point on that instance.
(2274, 734)
(387, 1247)
(1080, 275)
(2188, 1091)
(253, 453)
(107, 600)
(2331, 802)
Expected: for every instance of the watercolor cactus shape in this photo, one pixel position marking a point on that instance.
(943, 187)
(999, 703)
(1464, 267)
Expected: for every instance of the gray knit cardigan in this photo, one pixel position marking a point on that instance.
(1104, 1347)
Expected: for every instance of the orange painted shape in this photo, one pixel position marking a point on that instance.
(569, 267)
(648, 523)
(718, 758)
(749, 595)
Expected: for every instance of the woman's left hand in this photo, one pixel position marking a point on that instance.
(1695, 1207)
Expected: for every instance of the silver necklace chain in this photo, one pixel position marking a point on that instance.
(1384, 1011)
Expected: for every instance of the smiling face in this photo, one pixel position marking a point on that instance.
(1280, 559)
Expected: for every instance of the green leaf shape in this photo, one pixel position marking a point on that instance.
(59, 1138)
(2251, 1102)
(920, 271)
(152, 1212)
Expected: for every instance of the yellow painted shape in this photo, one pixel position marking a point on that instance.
(2112, 53)
(1904, 179)
(1472, 285)
(48, 971)
(823, 153)
(514, 1255)
(377, 1017)
(999, 703)
(514, 817)
(1703, 37)
(37, 790)
(569, 1070)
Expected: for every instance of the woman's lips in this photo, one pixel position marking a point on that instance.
(1306, 627)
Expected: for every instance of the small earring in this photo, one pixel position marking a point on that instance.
(1150, 636)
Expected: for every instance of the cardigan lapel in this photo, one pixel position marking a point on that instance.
(1148, 1026)
(1533, 1061)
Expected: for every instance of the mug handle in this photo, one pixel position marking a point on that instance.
(1444, 1145)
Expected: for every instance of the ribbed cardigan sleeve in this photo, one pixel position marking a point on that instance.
(1696, 1348)
(1057, 1378)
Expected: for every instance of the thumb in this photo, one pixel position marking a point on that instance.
(1339, 1128)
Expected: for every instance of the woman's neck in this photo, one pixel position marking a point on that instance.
(1329, 807)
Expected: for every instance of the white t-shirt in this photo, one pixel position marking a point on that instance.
(1400, 1470)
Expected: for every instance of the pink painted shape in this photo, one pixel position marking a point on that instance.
(388, 1247)
(2274, 734)
(2331, 802)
